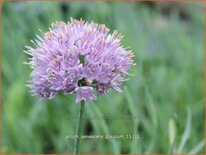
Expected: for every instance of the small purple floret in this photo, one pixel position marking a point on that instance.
(85, 93)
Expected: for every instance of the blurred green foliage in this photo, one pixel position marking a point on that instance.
(167, 84)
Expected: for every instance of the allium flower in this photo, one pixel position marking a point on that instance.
(77, 57)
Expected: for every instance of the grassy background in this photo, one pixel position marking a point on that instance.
(167, 84)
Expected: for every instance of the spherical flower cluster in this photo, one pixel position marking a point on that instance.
(77, 57)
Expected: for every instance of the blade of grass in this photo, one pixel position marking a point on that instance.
(135, 147)
(102, 124)
(186, 131)
(198, 148)
(153, 114)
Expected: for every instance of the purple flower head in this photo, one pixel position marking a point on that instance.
(76, 58)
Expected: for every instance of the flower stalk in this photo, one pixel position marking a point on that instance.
(78, 128)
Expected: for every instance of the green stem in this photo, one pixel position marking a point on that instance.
(78, 129)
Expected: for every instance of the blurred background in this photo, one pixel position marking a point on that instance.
(166, 87)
